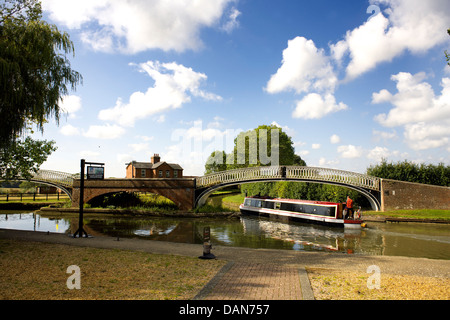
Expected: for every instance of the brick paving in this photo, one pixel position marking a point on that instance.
(256, 281)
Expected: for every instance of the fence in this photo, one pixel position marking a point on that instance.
(21, 197)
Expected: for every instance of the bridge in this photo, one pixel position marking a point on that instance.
(61, 180)
(188, 193)
(367, 185)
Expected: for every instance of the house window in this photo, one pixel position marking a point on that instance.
(143, 173)
(175, 173)
(160, 173)
(167, 174)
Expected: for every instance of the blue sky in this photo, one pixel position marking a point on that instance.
(182, 78)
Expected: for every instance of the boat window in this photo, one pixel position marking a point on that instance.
(247, 202)
(277, 205)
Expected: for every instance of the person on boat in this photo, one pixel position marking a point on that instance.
(349, 205)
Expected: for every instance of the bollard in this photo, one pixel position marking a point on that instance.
(207, 245)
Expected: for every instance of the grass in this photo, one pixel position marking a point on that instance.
(330, 284)
(38, 271)
(431, 214)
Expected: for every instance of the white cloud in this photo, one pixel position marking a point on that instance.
(424, 115)
(145, 138)
(378, 153)
(382, 135)
(350, 151)
(303, 152)
(314, 106)
(335, 139)
(135, 26)
(174, 85)
(139, 146)
(232, 22)
(69, 130)
(406, 25)
(422, 136)
(327, 163)
(123, 158)
(414, 102)
(104, 132)
(315, 146)
(70, 104)
(303, 68)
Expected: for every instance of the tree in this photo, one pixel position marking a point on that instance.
(255, 148)
(35, 71)
(24, 158)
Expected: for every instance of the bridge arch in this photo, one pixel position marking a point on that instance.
(90, 194)
(368, 186)
(206, 192)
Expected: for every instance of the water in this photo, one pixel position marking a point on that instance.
(392, 239)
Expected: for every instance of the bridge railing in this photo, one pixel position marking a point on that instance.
(57, 177)
(333, 175)
(290, 172)
(244, 174)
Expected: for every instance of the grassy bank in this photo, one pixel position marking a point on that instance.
(37, 271)
(426, 214)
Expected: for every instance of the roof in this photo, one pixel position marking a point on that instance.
(149, 165)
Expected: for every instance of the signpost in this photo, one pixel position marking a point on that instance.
(95, 171)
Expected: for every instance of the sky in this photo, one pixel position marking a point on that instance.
(351, 82)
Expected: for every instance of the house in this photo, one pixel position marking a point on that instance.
(154, 169)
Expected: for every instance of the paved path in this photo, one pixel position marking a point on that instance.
(254, 273)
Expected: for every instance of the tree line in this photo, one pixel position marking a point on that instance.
(438, 175)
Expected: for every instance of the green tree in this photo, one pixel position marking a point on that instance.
(35, 70)
(23, 158)
(253, 148)
(35, 74)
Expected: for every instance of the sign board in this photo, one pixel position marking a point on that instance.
(95, 173)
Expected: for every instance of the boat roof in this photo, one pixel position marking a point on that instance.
(295, 200)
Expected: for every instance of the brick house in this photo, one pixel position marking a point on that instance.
(154, 169)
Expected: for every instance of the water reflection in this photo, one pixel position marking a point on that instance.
(415, 240)
(32, 221)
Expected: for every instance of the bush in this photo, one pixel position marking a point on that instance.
(412, 172)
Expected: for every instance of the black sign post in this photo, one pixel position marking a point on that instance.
(99, 174)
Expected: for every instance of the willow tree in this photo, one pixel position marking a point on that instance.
(35, 70)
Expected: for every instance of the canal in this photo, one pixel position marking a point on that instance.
(392, 239)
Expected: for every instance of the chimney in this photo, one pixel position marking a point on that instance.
(156, 158)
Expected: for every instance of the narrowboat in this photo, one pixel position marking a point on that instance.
(325, 213)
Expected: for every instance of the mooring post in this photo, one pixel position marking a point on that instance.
(207, 244)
